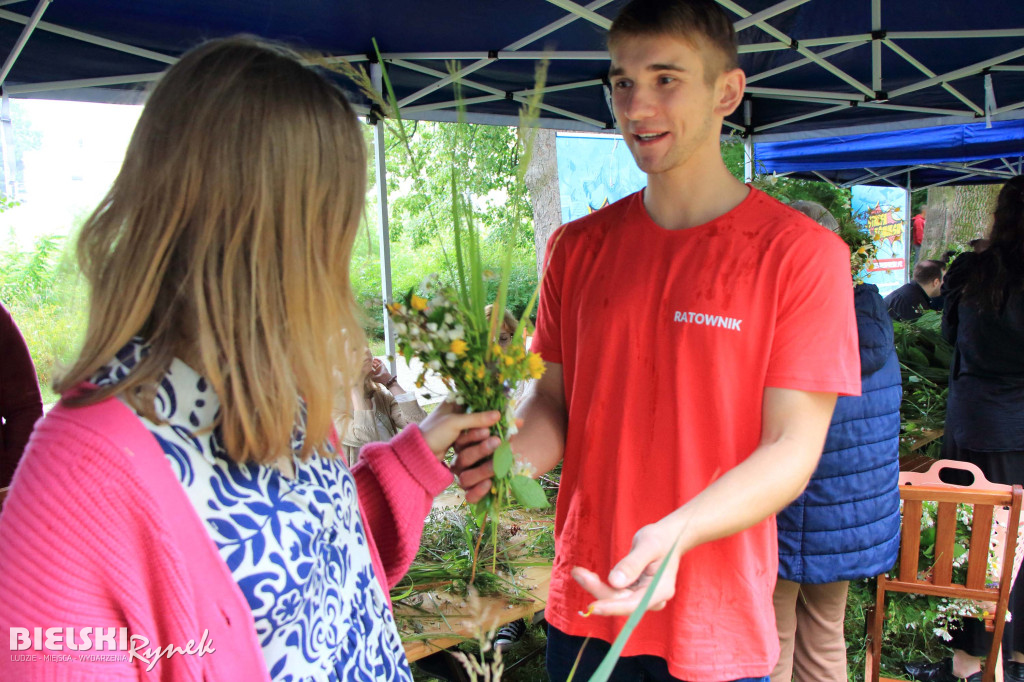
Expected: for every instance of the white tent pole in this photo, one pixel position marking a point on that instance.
(7, 134)
(956, 74)
(794, 119)
(928, 72)
(89, 38)
(19, 44)
(805, 61)
(748, 142)
(580, 11)
(782, 37)
(477, 65)
(382, 223)
(766, 14)
(84, 83)
(907, 231)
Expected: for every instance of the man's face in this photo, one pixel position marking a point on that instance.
(663, 104)
(934, 288)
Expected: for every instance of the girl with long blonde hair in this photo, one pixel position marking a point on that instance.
(187, 491)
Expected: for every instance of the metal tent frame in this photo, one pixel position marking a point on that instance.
(812, 65)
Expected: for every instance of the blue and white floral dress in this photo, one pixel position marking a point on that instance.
(296, 547)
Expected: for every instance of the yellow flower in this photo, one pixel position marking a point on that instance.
(535, 365)
(509, 360)
(418, 303)
(862, 250)
(496, 350)
(480, 372)
(458, 346)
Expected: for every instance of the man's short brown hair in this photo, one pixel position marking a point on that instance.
(702, 23)
(927, 271)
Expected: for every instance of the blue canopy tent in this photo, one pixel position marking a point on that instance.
(973, 153)
(812, 65)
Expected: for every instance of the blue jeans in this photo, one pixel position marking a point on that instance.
(563, 649)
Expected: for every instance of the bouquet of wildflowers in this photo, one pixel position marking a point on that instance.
(449, 333)
(448, 329)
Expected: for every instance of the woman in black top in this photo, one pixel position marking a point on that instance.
(983, 317)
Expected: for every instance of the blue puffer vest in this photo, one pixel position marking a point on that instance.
(846, 524)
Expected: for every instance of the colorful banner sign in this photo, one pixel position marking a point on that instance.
(882, 210)
(593, 171)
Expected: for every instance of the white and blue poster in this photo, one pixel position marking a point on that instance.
(883, 211)
(594, 170)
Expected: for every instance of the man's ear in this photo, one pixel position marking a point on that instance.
(729, 91)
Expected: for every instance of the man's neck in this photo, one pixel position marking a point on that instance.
(691, 196)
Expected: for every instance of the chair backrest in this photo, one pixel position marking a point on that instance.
(985, 581)
(987, 502)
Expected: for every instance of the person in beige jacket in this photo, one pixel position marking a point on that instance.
(381, 408)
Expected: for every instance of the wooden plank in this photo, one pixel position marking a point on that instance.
(492, 613)
(981, 532)
(925, 438)
(948, 493)
(952, 591)
(910, 540)
(945, 538)
(916, 463)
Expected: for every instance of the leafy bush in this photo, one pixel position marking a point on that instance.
(46, 298)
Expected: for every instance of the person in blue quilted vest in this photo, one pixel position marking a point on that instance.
(845, 526)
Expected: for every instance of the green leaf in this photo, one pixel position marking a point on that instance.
(604, 671)
(481, 508)
(528, 492)
(503, 459)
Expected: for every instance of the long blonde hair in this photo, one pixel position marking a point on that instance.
(226, 239)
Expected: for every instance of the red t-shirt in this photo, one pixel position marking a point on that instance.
(667, 339)
(917, 235)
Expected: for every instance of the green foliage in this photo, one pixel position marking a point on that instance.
(908, 632)
(924, 365)
(46, 298)
(485, 159)
(786, 189)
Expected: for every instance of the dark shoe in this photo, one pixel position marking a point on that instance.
(509, 634)
(1013, 672)
(926, 671)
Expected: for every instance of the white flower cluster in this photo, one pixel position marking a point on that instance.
(523, 468)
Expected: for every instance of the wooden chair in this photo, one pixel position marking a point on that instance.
(3, 496)
(987, 501)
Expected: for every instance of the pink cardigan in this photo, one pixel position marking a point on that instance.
(97, 532)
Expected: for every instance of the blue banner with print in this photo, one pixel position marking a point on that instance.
(594, 171)
(882, 211)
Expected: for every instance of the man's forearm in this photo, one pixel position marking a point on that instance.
(773, 476)
(541, 439)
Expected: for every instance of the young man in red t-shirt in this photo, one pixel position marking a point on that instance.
(696, 335)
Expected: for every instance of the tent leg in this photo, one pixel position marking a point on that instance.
(7, 143)
(382, 223)
(748, 143)
(907, 231)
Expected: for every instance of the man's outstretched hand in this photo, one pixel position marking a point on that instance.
(629, 580)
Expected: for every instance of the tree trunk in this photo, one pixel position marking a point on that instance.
(542, 183)
(956, 215)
